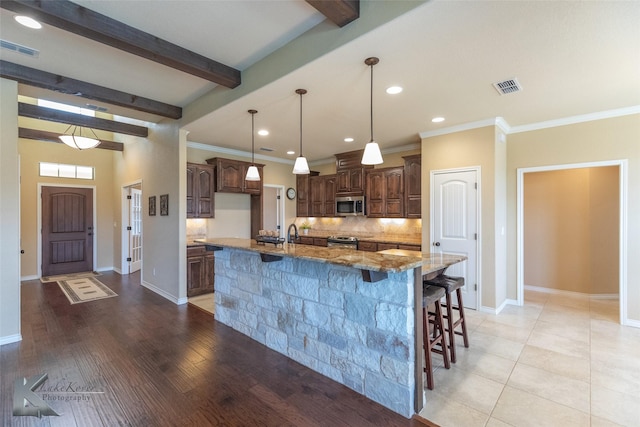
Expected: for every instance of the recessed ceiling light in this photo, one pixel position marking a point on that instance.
(290, 152)
(437, 119)
(348, 139)
(263, 132)
(393, 90)
(28, 22)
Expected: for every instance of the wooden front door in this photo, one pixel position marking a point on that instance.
(67, 230)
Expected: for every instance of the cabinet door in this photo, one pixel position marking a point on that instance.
(375, 193)
(316, 195)
(205, 194)
(385, 246)
(305, 240)
(343, 181)
(209, 272)
(394, 193)
(409, 247)
(195, 275)
(356, 181)
(413, 186)
(329, 196)
(229, 177)
(368, 246)
(251, 187)
(191, 184)
(302, 194)
(320, 241)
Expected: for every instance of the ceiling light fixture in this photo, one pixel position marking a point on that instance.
(437, 120)
(301, 167)
(394, 90)
(291, 152)
(77, 141)
(263, 132)
(252, 172)
(28, 22)
(372, 154)
(348, 139)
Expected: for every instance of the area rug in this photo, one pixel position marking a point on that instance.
(85, 289)
(70, 276)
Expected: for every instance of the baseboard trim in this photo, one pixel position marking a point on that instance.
(163, 293)
(10, 339)
(570, 293)
(32, 277)
(105, 269)
(632, 323)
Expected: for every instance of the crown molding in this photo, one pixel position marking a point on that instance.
(497, 121)
(234, 152)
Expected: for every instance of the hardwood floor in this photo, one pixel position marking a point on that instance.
(152, 363)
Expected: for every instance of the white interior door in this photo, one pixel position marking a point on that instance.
(135, 230)
(454, 228)
(273, 208)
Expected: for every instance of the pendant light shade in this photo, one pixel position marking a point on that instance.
(301, 167)
(77, 141)
(372, 154)
(252, 171)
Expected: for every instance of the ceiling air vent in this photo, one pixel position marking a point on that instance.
(266, 149)
(508, 86)
(96, 108)
(6, 44)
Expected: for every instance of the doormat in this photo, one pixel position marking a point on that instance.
(85, 289)
(70, 276)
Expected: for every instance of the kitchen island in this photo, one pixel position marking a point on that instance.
(353, 316)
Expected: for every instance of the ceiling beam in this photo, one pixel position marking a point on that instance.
(53, 115)
(43, 135)
(340, 12)
(62, 84)
(84, 22)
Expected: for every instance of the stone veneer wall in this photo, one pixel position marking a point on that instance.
(325, 317)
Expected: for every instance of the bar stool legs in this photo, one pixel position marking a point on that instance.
(432, 296)
(451, 284)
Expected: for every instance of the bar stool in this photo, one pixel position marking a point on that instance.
(431, 295)
(450, 284)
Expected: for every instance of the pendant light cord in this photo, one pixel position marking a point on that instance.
(252, 137)
(371, 92)
(301, 124)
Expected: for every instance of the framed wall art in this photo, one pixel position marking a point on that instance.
(164, 204)
(152, 206)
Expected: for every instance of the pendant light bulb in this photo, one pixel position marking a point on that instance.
(301, 167)
(372, 154)
(252, 171)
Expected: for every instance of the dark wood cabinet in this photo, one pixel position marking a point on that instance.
(322, 195)
(200, 194)
(230, 174)
(303, 198)
(367, 246)
(350, 174)
(385, 192)
(320, 241)
(315, 241)
(200, 271)
(408, 247)
(413, 186)
(370, 246)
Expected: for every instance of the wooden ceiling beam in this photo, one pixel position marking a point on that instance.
(52, 115)
(42, 135)
(85, 22)
(62, 84)
(340, 12)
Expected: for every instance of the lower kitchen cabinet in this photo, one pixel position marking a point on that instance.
(381, 246)
(200, 271)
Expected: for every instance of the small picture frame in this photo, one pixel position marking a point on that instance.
(164, 204)
(152, 206)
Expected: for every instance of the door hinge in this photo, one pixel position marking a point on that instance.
(475, 236)
(278, 197)
(129, 228)
(129, 196)
(475, 186)
(277, 227)
(129, 259)
(475, 287)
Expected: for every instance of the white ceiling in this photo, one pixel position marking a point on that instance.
(572, 58)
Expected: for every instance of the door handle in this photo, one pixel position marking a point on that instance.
(436, 244)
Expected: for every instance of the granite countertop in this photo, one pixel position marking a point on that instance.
(373, 261)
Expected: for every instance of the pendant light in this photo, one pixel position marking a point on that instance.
(372, 154)
(301, 167)
(252, 172)
(77, 141)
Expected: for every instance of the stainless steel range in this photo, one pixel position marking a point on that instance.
(342, 242)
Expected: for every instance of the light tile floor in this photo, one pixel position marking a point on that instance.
(204, 302)
(560, 360)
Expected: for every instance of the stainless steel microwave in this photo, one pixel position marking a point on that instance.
(350, 206)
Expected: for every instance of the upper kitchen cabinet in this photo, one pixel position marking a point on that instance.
(350, 174)
(385, 192)
(230, 176)
(200, 197)
(322, 195)
(303, 194)
(413, 186)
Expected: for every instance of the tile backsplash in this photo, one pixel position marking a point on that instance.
(362, 226)
(196, 228)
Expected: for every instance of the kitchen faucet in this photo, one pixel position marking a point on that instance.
(295, 236)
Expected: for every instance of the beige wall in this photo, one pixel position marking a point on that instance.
(571, 230)
(9, 215)
(31, 154)
(595, 141)
(471, 148)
